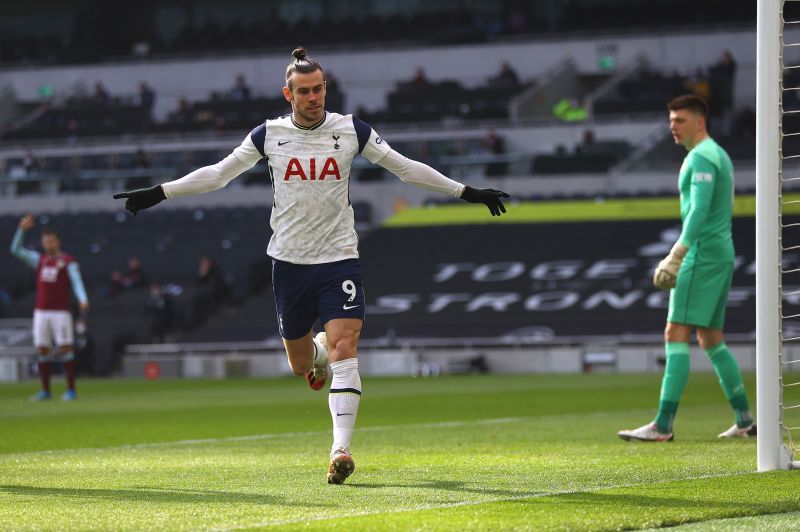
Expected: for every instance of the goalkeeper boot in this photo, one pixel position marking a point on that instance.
(739, 432)
(647, 432)
(41, 396)
(318, 374)
(341, 466)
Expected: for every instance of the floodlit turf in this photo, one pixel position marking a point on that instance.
(485, 452)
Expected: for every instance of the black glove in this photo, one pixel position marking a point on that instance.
(488, 196)
(142, 198)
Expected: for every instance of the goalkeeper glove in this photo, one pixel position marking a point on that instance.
(142, 198)
(666, 274)
(488, 196)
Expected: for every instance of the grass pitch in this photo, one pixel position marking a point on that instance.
(486, 452)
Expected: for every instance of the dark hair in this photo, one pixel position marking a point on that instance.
(50, 231)
(303, 64)
(690, 102)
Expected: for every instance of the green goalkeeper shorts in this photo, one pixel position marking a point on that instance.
(701, 294)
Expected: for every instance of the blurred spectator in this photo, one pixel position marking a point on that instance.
(142, 159)
(101, 95)
(212, 291)
(507, 78)
(133, 278)
(160, 308)
(722, 78)
(419, 81)
(240, 91)
(744, 123)
(331, 83)
(31, 164)
(496, 145)
(72, 131)
(183, 115)
(698, 83)
(147, 96)
(586, 143)
(333, 96)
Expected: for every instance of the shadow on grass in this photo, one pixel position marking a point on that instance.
(450, 485)
(670, 509)
(148, 494)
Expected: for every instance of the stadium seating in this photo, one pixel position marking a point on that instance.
(453, 23)
(596, 157)
(85, 118)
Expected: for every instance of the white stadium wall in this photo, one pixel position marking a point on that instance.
(366, 76)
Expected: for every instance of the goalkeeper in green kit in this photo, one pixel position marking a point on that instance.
(698, 271)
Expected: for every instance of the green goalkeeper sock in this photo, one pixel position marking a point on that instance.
(730, 378)
(676, 373)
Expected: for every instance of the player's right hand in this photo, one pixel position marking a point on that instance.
(488, 196)
(142, 198)
(666, 274)
(26, 222)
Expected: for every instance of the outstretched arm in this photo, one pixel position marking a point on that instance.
(422, 175)
(200, 181)
(28, 256)
(378, 151)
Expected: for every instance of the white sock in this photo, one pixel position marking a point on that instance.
(343, 399)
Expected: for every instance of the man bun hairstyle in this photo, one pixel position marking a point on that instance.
(303, 64)
(690, 102)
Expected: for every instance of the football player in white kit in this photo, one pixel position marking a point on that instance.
(314, 246)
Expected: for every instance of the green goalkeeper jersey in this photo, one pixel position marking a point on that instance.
(706, 187)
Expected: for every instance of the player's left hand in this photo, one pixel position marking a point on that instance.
(666, 274)
(84, 308)
(142, 198)
(488, 196)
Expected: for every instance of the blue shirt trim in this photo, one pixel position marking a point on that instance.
(259, 136)
(363, 131)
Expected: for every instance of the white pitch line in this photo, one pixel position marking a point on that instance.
(424, 507)
(269, 436)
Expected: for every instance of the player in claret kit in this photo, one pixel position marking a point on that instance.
(698, 273)
(52, 322)
(314, 246)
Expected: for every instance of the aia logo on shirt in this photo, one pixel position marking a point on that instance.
(296, 168)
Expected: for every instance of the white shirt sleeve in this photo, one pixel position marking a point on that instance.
(418, 174)
(376, 148)
(216, 176)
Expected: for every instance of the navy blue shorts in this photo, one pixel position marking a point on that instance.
(305, 292)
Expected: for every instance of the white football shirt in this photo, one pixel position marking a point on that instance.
(312, 219)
